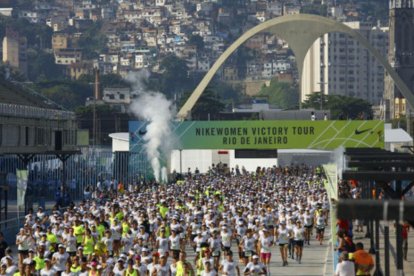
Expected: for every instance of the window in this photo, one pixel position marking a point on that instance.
(122, 96)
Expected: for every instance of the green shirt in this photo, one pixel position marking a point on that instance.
(40, 262)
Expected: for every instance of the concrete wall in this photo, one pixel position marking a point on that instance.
(120, 145)
(201, 159)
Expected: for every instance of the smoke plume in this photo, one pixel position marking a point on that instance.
(158, 111)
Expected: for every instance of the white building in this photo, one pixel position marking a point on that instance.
(117, 95)
(337, 64)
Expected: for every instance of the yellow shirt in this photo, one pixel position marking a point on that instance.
(88, 246)
(78, 231)
(40, 262)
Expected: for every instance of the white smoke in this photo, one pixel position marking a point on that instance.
(337, 157)
(155, 108)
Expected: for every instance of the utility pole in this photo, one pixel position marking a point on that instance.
(322, 83)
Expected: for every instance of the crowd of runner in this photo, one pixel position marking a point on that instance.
(228, 224)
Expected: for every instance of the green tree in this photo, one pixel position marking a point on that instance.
(399, 122)
(38, 35)
(341, 107)
(315, 9)
(314, 101)
(106, 80)
(92, 41)
(227, 92)
(174, 77)
(42, 66)
(69, 94)
(197, 41)
(280, 94)
(208, 106)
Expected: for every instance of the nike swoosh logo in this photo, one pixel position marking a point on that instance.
(357, 132)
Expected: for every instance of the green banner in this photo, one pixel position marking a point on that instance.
(270, 134)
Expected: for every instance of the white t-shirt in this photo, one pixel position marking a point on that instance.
(215, 245)
(320, 221)
(175, 242)
(248, 243)
(108, 243)
(70, 242)
(211, 273)
(283, 236)
(198, 241)
(254, 269)
(345, 268)
(116, 232)
(308, 220)
(50, 272)
(162, 245)
(229, 268)
(298, 234)
(265, 244)
(226, 238)
(11, 270)
(142, 269)
(162, 270)
(24, 242)
(60, 261)
(117, 271)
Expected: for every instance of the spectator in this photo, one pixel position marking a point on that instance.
(3, 246)
(345, 267)
(313, 116)
(405, 230)
(363, 260)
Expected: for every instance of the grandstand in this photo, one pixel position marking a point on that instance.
(32, 124)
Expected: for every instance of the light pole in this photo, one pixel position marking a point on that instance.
(323, 83)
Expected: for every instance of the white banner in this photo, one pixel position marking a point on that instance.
(21, 186)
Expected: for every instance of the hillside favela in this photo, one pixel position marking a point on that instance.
(206, 137)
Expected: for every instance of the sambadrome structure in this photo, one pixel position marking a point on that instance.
(299, 31)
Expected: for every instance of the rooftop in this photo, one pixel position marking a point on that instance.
(17, 94)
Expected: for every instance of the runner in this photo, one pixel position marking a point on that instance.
(298, 237)
(283, 236)
(265, 244)
(248, 246)
(308, 223)
(228, 266)
(152, 227)
(320, 222)
(255, 267)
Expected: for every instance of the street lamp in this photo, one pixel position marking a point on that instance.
(322, 93)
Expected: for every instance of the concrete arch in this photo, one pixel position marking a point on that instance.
(299, 31)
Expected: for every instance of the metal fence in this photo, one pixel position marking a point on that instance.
(47, 173)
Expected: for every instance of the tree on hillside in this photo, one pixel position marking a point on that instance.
(197, 41)
(38, 35)
(174, 77)
(106, 80)
(92, 41)
(69, 94)
(280, 94)
(42, 66)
